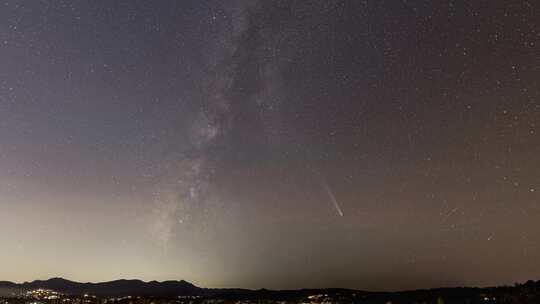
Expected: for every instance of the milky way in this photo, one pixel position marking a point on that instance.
(178, 140)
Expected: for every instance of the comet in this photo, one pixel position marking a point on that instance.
(331, 195)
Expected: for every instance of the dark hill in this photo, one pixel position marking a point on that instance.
(518, 293)
(117, 288)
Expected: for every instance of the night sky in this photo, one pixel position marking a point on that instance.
(377, 145)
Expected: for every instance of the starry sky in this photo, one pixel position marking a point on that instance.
(377, 145)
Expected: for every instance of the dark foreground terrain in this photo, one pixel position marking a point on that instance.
(61, 291)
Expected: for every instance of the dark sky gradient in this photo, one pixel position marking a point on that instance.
(278, 144)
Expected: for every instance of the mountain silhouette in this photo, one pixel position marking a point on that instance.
(526, 293)
(116, 288)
